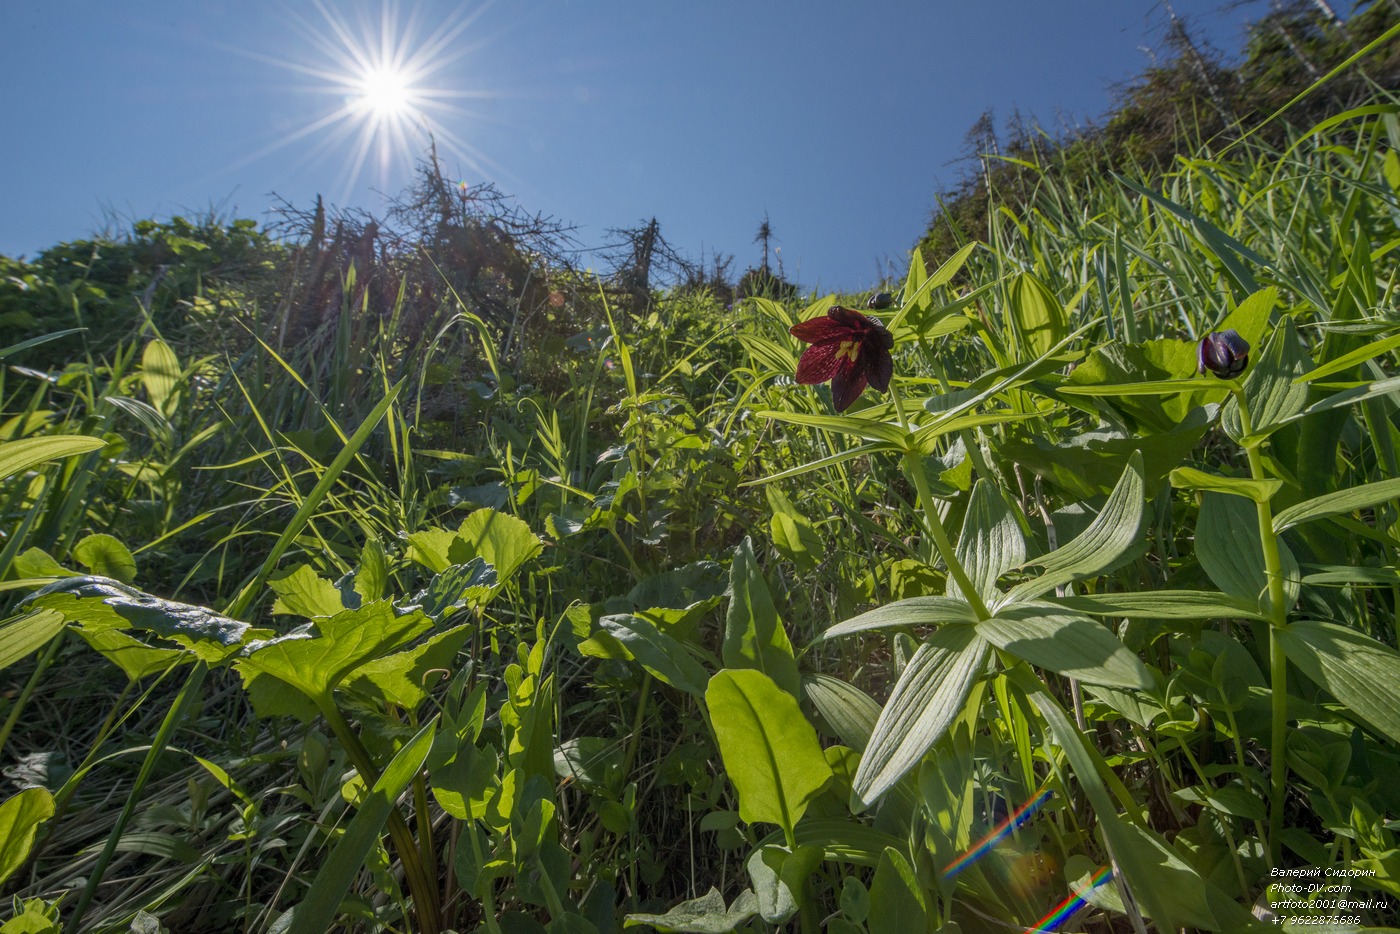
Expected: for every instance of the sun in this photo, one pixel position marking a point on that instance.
(386, 81)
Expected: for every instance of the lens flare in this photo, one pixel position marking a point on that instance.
(1066, 909)
(1012, 821)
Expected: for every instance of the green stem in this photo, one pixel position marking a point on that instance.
(1278, 619)
(30, 686)
(424, 889)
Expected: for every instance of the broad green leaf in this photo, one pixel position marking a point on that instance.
(915, 611)
(770, 751)
(105, 556)
(1227, 545)
(19, 456)
(753, 632)
(102, 603)
(1075, 646)
(662, 656)
(990, 543)
(1260, 491)
(160, 374)
(793, 534)
(405, 678)
(928, 697)
(429, 548)
(1039, 317)
(301, 593)
(315, 662)
(318, 908)
(501, 540)
(1357, 670)
(466, 786)
(1250, 319)
(897, 900)
(21, 636)
(1270, 388)
(20, 817)
(1339, 503)
(372, 575)
(589, 760)
(1114, 538)
(779, 876)
(849, 711)
(703, 915)
(136, 659)
(1163, 604)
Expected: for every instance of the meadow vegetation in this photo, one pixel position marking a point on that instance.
(398, 575)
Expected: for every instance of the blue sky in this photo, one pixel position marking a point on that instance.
(839, 119)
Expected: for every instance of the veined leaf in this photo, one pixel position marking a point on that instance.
(1163, 604)
(160, 373)
(1348, 360)
(1227, 545)
(1189, 478)
(1333, 504)
(658, 653)
(703, 915)
(1161, 387)
(19, 456)
(302, 593)
(405, 678)
(916, 611)
(24, 635)
(849, 711)
(925, 701)
(501, 540)
(105, 556)
(1075, 646)
(1357, 670)
(1039, 317)
(990, 543)
(770, 751)
(1114, 538)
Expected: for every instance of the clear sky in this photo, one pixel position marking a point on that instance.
(839, 118)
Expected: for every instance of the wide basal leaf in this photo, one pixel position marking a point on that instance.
(20, 817)
(301, 592)
(105, 556)
(318, 909)
(849, 711)
(19, 456)
(925, 701)
(635, 638)
(501, 540)
(1227, 545)
(1075, 646)
(779, 876)
(333, 649)
(1357, 670)
(770, 751)
(1339, 503)
(703, 915)
(405, 678)
(753, 632)
(990, 543)
(1163, 604)
(916, 611)
(1114, 538)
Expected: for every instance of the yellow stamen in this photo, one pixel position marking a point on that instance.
(849, 349)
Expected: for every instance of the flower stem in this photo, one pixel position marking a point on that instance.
(914, 466)
(1278, 619)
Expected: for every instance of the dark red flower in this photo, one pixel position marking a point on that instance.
(848, 348)
(1224, 353)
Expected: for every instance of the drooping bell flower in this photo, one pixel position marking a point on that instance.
(1224, 353)
(848, 348)
(881, 300)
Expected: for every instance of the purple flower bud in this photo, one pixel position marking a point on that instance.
(1224, 353)
(881, 300)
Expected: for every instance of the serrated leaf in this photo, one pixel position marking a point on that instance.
(1075, 646)
(501, 540)
(301, 592)
(925, 701)
(703, 915)
(456, 587)
(406, 678)
(770, 751)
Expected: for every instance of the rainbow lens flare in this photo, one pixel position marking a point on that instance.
(1013, 820)
(1065, 909)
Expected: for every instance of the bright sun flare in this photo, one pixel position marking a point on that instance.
(384, 79)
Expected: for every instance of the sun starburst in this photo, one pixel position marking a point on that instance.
(385, 79)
